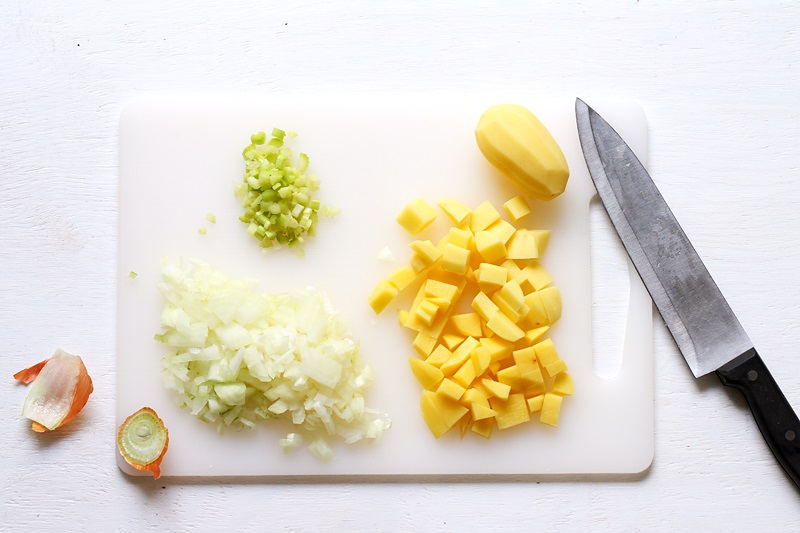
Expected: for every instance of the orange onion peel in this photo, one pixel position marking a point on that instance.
(60, 387)
(143, 440)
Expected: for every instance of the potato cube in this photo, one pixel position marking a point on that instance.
(510, 376)
(460, 355)
(484, 306)
(424, 344)
(491, 277)
(459, 237)
(481, 359)
(465, 375)
(534, 335)
(522, 245)
(508, 309)
(497, 348)
(426, 311)
(473, 395)
(563, 385)
(504, 327)
(489, 246)
(496, 389)
(535, 403)
(455, 210)
(452, 340)
(503, 230)
(548, 357)
(481, 412)
(416, 216)
(468, 324)
(530, 376)
(510, 412)
(551, 300)
(551, 408)
(440, 413)
(542, 238)
(512, 293)
(524, 355)
(428, 375)
(483, 216)
(537, 276)
(402, 277)
(537, 316)
(439, 289)
(517, 208)
(451, 389)
(426, 250)
(455, 259)
(439, 356)
(383, 293)
(483, 427)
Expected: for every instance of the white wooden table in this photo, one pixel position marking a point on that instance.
(719, 81)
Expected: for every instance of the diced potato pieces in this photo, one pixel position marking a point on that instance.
(451, 389)
(428, 375)
(455, 259)
(383, 293)
(483, 216)
(522, 245)
(416, 216)
(551, 408)
(535, 403)
(492, 366)
(402, 277)
(517, 208)
(440, 413)
(496, 389)
(563, 385)
(484, 306)
(427, 251)
(510, 412)
(503, 230)
(489, 246)
(468, 324)
(491, 277)
(424, 344)
(504, 327)
(456, 211)
(439, 356)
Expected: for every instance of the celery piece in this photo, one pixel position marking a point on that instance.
(132, 274)
(202, 231)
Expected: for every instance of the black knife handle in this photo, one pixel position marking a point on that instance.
(775, 417)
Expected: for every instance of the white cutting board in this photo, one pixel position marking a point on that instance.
(179, 159)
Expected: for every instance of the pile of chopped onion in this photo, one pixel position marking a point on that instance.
(238, 356)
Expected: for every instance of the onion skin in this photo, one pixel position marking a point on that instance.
(81, 389)
(154, 466)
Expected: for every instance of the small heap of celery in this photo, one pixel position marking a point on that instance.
(276, 193)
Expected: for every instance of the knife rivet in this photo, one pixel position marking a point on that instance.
(752, 375)
(789, 435)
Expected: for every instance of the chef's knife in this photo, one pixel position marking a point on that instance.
(700, 320)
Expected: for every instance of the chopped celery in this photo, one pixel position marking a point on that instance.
(132, 274)
(211, 217)
(276, 193)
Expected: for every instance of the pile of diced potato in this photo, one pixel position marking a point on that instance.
(491, 365)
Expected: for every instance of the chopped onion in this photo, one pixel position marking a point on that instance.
(237, 356)
(143, 440)
(60, 388)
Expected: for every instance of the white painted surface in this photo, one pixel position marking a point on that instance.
(179, 159)
(718, 81)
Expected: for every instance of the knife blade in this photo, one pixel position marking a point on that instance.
(704, 327)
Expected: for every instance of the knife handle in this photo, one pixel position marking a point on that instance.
(775, 417)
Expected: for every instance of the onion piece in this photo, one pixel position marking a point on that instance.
(143, 440)
(60, 387)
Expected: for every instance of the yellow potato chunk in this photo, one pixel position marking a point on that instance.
(426, 311)
(455, 259)
(451, 389)
(534, 335)
(459, 237)
(483, 427)
(489, 246)
(551, 408)
(427, 251)
(563, 385)
(537, 315)
(468, 324)
(456, 211)
(551, 300)
(424, 344)
(522, 245)
(440, 413)
(484, 306)
(383, 293)
(496, 389)
(503, 230)
(512, 294)
(535, 403)
(439, 356)
(542, 238)
(483, 216)
(504, 327)
(524, 355)
(517, 208)
(460, 355)
(402, 277)
(465, 375)
(491, 277)
(416, 216)
(548, 357)
(497, 348)
(511, 412)
(481, 412)
(536, 275)
(516, 142)
(481, 359)
(428, 375)
(452, 340)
